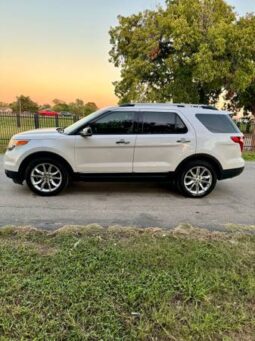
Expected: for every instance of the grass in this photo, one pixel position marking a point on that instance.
(2, 148)
(8, 124)
(92, 283)
(249, 155)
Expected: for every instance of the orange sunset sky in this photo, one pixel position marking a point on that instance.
(59, 48)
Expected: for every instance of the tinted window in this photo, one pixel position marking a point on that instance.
(162, 123)
(114, 123)
(217, 123)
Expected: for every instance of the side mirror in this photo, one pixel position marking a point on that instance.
(86, 132)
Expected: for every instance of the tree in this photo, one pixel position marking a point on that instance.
(79, 108)
(44, 106)
(189, 51)
(24, 103)
(60, 105)
(4, 105)
(89, 108)
(241, 90)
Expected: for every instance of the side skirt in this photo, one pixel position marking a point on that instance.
(124, 177)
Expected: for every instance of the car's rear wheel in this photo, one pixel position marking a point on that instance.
(46, 177)
(197, 179)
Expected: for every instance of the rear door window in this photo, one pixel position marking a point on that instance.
(162, 123)
(218, 123)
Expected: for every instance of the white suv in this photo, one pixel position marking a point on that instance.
(195, 145)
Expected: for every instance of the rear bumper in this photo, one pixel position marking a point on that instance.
(15, 176)
(231, 173)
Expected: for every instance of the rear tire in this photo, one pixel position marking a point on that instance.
(46, 176)
(197, 179)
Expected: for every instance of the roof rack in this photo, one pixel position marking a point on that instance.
(179, 105)
(127, 105)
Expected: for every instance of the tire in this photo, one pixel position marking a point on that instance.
(196, 179)
(46, 176)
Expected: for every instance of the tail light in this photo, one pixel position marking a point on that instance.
(239, 140)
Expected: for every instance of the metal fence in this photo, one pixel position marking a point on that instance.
(248, 129)
(11, 124)
(249, 142)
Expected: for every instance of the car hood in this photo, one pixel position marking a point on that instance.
(39, 133)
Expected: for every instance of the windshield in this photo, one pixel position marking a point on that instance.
(82, 121)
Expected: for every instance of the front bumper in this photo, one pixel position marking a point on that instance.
(15, 176)
(231, 173)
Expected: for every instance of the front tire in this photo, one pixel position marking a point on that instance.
(46, 176)
(197, 179)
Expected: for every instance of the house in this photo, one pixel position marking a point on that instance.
(5, 110)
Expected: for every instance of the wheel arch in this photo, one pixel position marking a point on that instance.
(35, 155)
(202, 157)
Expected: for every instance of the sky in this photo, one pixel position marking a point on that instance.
(59, 48)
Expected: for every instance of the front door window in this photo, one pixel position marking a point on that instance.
(114, 123)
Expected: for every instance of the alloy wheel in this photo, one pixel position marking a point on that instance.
(46, 177)
(198, 180)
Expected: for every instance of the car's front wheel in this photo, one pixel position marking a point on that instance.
(46, 177)
(197, 179)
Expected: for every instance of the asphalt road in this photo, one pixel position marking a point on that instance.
(138, 204)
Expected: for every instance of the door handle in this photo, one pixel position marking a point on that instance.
(183, 141)
(122, 141)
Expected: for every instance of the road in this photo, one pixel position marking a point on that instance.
(138, 204)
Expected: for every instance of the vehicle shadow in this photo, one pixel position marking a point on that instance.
(220, 194)
(102, 190)
(122, 188)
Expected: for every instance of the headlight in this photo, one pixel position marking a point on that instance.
(16, 143)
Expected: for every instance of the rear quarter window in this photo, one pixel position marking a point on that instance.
(162, 123)
(218, 123)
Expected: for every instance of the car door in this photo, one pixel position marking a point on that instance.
(164, 139)
(110, 149)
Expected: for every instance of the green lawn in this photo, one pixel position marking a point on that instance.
(2, 148)
(8, 125)
(249, 156)
(122, 284)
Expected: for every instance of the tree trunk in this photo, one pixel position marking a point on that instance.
(202, 95)
(253, 133)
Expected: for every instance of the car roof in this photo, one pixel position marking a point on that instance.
(185, 108)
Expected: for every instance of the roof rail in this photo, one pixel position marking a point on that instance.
(179, 105)
(127, 105)
(210, 107)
